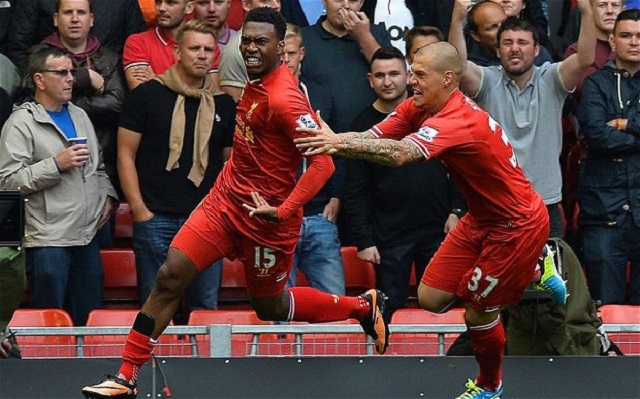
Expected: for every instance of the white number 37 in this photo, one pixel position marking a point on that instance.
(474, 283)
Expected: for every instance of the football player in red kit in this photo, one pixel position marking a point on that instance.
(488, 260)
(253, 213)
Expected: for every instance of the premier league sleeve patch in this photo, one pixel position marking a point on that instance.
(427, 133)
(307, 121)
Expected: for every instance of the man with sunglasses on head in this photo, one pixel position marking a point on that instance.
(49, 151)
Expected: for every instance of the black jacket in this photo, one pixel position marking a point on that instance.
(321, 99)
(32, 21)
(609, 184)
(392, 206)
(5, 20)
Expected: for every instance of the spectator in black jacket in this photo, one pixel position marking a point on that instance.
(398, 216)
(5, 106)
(99, 87)
(609, 185)
(32, 21)
(6, 9)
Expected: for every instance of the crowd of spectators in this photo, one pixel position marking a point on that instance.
(95, 69)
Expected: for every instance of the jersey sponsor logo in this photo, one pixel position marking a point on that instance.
(427, 133)
(250, 113)
(307, 121)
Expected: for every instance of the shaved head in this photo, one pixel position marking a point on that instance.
(442, 57)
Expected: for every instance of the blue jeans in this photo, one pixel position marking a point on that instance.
(394, 271)
(606, 253)
(318, 255)
(151, 241)
(68, 278)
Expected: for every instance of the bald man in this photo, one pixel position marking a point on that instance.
(488, 260)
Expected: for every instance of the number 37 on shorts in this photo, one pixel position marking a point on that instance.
(481, 285)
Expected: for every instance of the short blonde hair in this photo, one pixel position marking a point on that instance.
(195, 25)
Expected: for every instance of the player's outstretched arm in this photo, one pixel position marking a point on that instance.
(323, 140)
(364, 146)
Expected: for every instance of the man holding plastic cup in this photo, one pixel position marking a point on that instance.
(49, 151)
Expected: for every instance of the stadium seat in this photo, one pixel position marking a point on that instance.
(44, 346)
(112, 345)
(120, 286)
(359, 275)
(124, 225)
(422, 344)
(233, 288)
(629, 343)
(240, 343)
(570, 174)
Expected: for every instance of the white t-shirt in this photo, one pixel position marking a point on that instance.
(397, 19)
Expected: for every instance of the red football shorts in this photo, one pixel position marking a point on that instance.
(210, 234)
(488, 268)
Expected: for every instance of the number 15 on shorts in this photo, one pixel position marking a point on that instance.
(264, 259)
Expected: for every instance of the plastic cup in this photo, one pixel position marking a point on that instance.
(77, 140)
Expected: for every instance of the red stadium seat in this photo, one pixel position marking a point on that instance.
(240, 343)
(112, 345)
(124, 224)
(120, 281)
(629, 343)
(422, 344)
(359, 275)
(233, 288)
(44, 346)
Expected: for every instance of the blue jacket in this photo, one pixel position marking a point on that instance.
(609, 183)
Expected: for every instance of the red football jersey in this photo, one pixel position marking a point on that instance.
(264, 157)
(155, 49)
(476, 152)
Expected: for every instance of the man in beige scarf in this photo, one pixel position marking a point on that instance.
(175, 133)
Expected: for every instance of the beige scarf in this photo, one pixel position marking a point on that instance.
(204, 122)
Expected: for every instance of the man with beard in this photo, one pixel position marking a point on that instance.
(526, 99)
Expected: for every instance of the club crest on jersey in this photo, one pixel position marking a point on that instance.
(428, 133)
(253, 107)
(307, 121)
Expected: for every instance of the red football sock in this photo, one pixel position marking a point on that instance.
(137, 351)
(313, 306)
(488, 346)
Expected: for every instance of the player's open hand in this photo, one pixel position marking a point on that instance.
(319, 141)
(261, 208)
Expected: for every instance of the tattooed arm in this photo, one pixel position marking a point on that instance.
(382, 151)
(364, 146)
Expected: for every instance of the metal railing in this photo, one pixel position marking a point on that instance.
(217, 340)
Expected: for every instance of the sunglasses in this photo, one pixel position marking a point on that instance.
(60, 72)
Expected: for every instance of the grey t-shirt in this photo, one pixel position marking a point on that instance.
(531, 118)
(231, 68)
